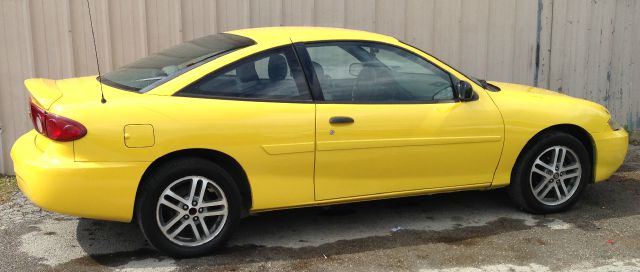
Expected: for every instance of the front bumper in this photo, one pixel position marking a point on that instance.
(611, 150)
(50, 178)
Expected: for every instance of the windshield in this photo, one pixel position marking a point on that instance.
(173, 61)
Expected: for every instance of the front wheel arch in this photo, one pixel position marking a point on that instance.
(574, 130)
(221, 159)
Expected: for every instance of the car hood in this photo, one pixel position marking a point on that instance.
(528, 92)
(511, 87)
(526, 101)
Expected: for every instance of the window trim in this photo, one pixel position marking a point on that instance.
(470, 78)
(248, 42)
(219, 71)
(305, 45)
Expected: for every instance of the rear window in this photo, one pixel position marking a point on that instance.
(145, 73)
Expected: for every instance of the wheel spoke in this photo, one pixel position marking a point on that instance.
(192, 194)
(176, 197)
(194, 228)
(564, 155)
(212, 213)
(556, 155)
(543, 173)
(213, 204)
(543, 164)
(555, 186)
(546, 190)
(205, 229)
(571, 167)
(572, 175)
(564, 188)
(173, 234)
(541, 186)
(203, 189)
(172, 222)
(170, 205)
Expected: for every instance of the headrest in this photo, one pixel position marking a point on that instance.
(247, 72)
(277, 67)
(318, 68)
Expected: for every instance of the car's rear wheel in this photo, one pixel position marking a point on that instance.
(551, 174)
(188, 207)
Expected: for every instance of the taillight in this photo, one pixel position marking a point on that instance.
(37, 117)
(56, 127)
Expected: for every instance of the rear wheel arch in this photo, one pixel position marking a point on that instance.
(574, 130)
(221, 159)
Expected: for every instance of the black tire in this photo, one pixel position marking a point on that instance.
(521, 189)
(161, 178)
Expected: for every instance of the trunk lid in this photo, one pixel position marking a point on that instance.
(47, 92)
(44, 92)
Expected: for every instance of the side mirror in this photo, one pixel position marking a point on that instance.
(465, 91)
(355, 69)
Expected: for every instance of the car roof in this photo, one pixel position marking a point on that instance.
(308, 33)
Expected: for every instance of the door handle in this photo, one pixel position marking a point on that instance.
(341, 120)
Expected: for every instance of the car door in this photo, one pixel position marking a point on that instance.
(390, 121)
(259, 111)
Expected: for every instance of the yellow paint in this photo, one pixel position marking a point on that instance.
(45, 90)
(389, 151)
(393, 148)
(278, 149)
(528, 110)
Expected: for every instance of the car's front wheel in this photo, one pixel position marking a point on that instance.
(551, 174)
(188, 207)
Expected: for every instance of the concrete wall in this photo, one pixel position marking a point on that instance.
(583, 48)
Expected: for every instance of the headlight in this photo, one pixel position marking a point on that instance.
(614, 125)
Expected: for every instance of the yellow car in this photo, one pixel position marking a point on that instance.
(188, 140)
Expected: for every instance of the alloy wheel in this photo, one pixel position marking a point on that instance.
(191, 211)
(555, 175)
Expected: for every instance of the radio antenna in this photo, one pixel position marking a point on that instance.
(95, 50)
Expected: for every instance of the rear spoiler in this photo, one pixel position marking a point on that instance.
(43, 91)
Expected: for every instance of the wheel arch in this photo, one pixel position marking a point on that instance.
(222, 159)
(574, 130)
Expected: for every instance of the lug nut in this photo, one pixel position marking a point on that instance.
(195, 218)
(200, 210)
(185, 207)
(194, 203)
(186, 216)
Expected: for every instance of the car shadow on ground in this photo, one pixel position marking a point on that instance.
(454, 218)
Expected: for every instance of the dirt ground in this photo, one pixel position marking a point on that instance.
(469, 231)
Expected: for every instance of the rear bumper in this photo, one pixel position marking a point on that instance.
(51, 179)
(611, 150)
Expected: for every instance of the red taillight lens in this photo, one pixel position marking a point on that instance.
(63, 129)
(38, 116)
(56, 127)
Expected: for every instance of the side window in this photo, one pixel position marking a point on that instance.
(274, 75)
(376, 73)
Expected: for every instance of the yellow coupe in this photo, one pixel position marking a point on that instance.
(186, 141)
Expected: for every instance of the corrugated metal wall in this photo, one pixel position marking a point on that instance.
(581, 47)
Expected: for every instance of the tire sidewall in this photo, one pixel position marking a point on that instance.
(522, 174)
(160, 180)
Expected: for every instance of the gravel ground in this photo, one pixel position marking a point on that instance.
(7, 187)
(468, 231)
